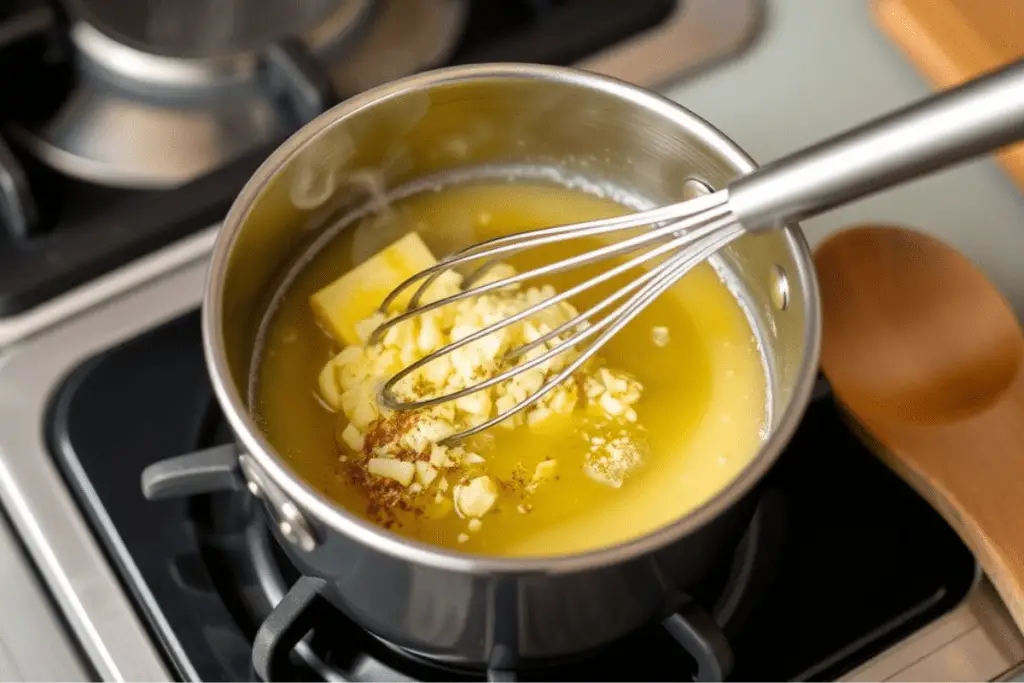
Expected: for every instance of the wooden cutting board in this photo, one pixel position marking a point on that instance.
(952, 41)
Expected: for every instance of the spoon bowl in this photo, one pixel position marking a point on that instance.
(912, 331)
(925, 356)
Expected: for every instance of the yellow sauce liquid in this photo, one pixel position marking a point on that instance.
(703, 402)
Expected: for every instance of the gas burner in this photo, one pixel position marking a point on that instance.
(127, 132)
(691, 634)
(826, 583)
(170, 90)
(288, 650)
(205, 33)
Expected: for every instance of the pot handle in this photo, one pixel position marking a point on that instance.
(291, 620)
(702, 638)
(208, 471)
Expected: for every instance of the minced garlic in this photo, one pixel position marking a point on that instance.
(608, 461)
(660, 336)
(404, 448)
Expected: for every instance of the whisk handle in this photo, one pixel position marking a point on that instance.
(975, 118)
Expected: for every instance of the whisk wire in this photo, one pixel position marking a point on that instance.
(707, 239)
(675, 244)
(570, 263)
(387, 392)
(624, 290)
(540, 236)
(617, 320)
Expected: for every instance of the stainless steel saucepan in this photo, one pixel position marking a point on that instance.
(484, 611)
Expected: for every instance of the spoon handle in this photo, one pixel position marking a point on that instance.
(955, 125)
(973, 475)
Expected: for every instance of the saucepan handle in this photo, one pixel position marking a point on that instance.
(208, 471)
(225, 468)
(698, 634)
(291, 620)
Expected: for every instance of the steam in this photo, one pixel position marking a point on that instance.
(207, 28)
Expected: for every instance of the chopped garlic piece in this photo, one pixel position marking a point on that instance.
(477, 497)
(425, 433)
(611, 405)
(399, 470)
(563, 400)
(425, 473)
(352, 437)
(364, 328)
(478, 403)
(330, 390)
(364, 411)
(609, 462)
(660, 337)
(499, 271)
(475, 524)
(454, 456)
(429, 337)
(544, 470)
(537, 415)
(438, 455)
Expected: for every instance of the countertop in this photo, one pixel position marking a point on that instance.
(34, 644)
(818, 67)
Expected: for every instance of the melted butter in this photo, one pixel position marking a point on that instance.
(703, 403)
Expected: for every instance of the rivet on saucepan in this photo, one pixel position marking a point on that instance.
(294, 527)
(779, 288)
(254, 488)
(693, 188)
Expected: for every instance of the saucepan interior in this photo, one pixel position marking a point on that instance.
(454, 120)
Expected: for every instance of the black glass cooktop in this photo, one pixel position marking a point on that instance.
(845, 560)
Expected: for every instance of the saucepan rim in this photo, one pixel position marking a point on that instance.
(334, 516)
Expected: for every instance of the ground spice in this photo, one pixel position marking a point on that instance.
(384, 430)
(388, 500)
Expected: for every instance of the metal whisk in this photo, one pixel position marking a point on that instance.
(953, 126)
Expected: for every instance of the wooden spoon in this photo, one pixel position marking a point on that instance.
(926, 355)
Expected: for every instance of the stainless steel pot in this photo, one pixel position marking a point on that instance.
(489, 612)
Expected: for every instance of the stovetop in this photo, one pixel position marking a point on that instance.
(110, 578)
(143, 123)
(844, 559)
